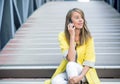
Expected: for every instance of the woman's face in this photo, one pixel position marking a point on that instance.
(77, 20)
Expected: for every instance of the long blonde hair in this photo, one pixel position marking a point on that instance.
(84, 34)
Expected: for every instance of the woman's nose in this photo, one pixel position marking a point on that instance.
(80, 20)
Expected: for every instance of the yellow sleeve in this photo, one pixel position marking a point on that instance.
(90, 53)
(63, 42)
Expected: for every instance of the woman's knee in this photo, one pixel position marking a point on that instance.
(59, 79)
(70, 64)
(54, 81)
(74, 65)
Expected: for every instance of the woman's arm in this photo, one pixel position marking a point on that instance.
(84, 71)
(71, 51)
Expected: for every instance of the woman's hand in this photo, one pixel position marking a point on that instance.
(71, 29)
(75, 80)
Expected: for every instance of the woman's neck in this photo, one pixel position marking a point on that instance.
(77, 35)
(77, 32)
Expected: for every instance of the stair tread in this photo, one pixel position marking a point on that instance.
(41, 81)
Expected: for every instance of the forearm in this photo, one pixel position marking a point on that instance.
(71, 51)
(84, 71)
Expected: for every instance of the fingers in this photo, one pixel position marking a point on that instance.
(71, 29)
(71, 26)
(71, 81)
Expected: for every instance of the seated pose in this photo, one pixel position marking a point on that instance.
(77, 46)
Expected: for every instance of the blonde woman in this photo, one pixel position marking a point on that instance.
(77, 45)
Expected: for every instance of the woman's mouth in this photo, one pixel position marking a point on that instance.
(79, 23)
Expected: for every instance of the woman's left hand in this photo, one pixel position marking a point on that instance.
(75, 79)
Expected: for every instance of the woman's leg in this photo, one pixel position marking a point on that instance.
(60, 79)
(73, 69)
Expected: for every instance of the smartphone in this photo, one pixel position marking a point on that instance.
(70, 21)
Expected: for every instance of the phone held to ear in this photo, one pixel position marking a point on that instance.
(70, 21)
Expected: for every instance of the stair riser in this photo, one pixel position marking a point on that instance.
(48, 73)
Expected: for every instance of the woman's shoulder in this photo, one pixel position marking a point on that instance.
(61, 34)
(90, 40)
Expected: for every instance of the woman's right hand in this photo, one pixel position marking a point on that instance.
(71, 29)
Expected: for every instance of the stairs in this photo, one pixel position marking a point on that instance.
(41, 81)
(34, 51)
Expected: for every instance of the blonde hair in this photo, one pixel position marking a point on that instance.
(84, 34)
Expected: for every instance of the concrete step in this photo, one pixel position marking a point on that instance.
(51, 45)
(57, 31)
(41, 81)
(60, 29)
(53, 40)
(107, 44)
(42, 71)
(11, 46)
(60, 26)
(40, 58)
(57, 50)
(51, 36)
(56, 34)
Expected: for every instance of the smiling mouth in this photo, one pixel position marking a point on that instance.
(80, 24)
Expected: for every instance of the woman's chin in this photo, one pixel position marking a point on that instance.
(78, 27)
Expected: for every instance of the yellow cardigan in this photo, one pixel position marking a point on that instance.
(85, 53)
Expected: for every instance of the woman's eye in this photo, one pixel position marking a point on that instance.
(76, 17)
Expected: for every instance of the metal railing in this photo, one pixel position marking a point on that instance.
(114, 3)
(13, 13)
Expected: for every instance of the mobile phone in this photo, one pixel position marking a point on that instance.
(70, 21)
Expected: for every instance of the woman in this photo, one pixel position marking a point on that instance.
(77, 45)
